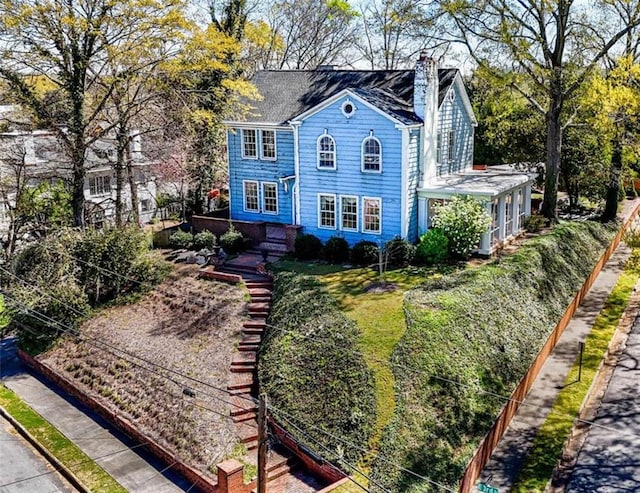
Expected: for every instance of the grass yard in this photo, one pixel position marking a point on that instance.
(553, 434)
(90, 474)
(378, 312)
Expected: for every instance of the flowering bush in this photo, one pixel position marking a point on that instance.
(463, 220)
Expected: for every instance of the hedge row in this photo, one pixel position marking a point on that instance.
(312, 371)
(474, 331)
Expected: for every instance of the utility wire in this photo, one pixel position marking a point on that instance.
(44, 319)
(357, 447)
(95, 341)
(389, 363)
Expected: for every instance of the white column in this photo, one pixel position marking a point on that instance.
(515, 206)
(502, 206)
(485, 241)
(527, 199)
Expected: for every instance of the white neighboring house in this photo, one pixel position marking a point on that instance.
(45, 161)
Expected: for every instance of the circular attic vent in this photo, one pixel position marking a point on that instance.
(348, 108)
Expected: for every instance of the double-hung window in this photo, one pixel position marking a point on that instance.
(451, 146)
(326, 152)
(269, 198)
(439, 148)
(371, 155)
(249, 143)
(268, 145)
(250, 189)
(371, 215)
(349, 213)
(327, 211)
(99, 185)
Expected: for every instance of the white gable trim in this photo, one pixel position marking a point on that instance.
(464, 97)
(345, 92)
(250, 124)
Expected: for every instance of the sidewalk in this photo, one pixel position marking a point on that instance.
(111, 450)
(508, 457)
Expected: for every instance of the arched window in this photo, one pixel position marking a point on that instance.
(326, 152)
(371, 155)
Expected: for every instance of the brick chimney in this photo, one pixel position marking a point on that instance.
(425, 105)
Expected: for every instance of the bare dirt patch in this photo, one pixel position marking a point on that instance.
(188, 326)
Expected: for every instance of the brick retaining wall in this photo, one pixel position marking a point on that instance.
(203, 483)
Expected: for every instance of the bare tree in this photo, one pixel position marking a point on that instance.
(311, 33)
(394, 31)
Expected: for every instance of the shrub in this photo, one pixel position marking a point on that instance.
(433, 247)
(312, 369)
(114, 261)
(181, 239)
(307, 247)
(534, 223)
(400, 252)
(204, 240)
(364, 253)
(336, 250)
(463, 220)
(232, 242)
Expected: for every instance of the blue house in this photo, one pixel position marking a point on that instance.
(364, 155)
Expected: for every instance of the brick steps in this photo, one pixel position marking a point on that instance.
(211, 273)
(259, 308)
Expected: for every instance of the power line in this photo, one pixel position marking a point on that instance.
(352, 445)
(386, 362)
(70, 331)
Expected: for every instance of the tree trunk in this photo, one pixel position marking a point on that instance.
(133, 186)
(119, 186)
(613, 187)
(77, 192)
(554, 153)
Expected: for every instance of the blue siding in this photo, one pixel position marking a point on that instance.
(453, 116)
(262, 171)
(347, 178)
(413, 179)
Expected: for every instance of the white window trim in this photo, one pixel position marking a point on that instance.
(364, 230)
(275, 145)
(264, 208)
(105, 179)
(379, 170)
(255, 133)
(335, 211)
(357, 213)
(244, 196)
(335, 153)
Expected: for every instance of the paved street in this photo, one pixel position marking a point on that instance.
(22, 468)
(610, 458)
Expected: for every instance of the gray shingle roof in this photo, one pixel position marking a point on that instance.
(289, 93)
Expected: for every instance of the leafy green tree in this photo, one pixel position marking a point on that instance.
(63, 48)
(613, 99)
(552, 45)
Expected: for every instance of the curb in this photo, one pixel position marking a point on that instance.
(58, 466)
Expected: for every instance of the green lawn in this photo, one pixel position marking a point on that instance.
(379, 316)
(555, 431)
(91, 475)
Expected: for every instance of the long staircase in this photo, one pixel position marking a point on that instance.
(243, 384)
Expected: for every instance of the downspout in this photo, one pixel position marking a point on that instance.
(296, 172)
